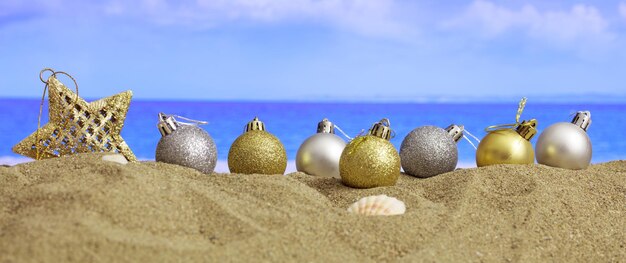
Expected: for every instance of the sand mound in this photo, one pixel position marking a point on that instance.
(82, 209)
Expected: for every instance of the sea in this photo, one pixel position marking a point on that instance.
(293, 122)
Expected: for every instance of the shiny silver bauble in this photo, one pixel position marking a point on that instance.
(564, 145)
(319, 155)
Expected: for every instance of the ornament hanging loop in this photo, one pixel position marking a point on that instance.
(54, 74)
(526, 129)
(344, 133)
(190, 121)
(42, 72)
(385, 122)
(465, 133)
(520, 109)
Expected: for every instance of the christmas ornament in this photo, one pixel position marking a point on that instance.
(371, 160)
(566, 145)
(185, 144)
(320, 153)
(76, 126)
(508, 143)
(428, 151)
(257, 151)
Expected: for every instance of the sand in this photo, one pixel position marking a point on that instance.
(82, 209)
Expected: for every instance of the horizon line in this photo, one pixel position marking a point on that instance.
(592, 98)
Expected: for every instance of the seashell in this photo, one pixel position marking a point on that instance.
(382, 205)
(116, 158)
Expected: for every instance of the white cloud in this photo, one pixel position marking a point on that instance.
(365, 17)
(579, 23)
(376, 18)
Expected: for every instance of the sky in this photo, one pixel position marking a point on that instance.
(318, 50)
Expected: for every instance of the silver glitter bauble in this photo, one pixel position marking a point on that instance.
(189, 146)
(428, 151)
(564, 145)
(319, 155)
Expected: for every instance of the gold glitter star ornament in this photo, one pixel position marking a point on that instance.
(76, 126)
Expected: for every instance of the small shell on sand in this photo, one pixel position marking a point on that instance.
(378, 205)
(116, 158)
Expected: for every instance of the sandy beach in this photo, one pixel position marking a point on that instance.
(83, 209)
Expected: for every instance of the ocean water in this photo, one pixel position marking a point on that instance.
(292, 123)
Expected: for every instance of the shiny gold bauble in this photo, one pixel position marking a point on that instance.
(369, 161)
(504, 146)
(257, 152)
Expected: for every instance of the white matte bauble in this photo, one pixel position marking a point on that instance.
(319, 155)
(564, 145)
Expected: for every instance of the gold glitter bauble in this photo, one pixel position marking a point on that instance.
(369, 161)
(504, 146)
(257, 152)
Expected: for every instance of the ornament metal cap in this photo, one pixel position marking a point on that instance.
(456, 131)
(325, 126)
(254, 125)
(381, 129)
(167, 124)
(582, 119)
(527, 129)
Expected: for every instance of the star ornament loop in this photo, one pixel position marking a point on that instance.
(76, 126)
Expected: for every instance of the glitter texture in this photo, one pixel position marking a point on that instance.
(257, 152)
(369, 161)
(428, 151)
(76, 126)
(188, 146)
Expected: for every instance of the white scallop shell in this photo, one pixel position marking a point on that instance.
(116, 158)
(378, 205)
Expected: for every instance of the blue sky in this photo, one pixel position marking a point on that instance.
(346, 50)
